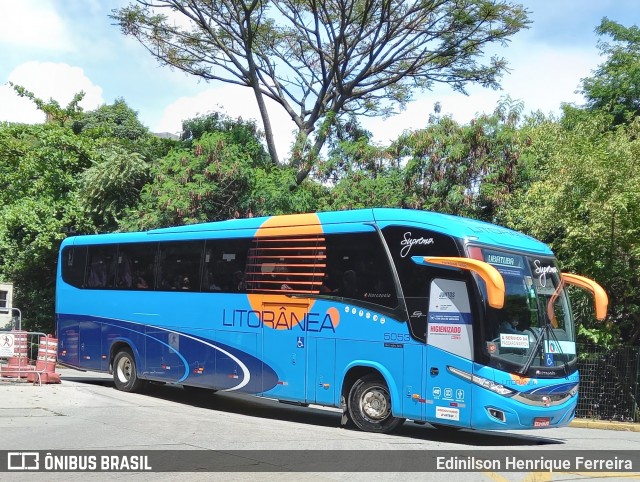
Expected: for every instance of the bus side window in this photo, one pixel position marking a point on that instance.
(294, 265)
(224, 265)
(179, 267)
(101, 266)
(358, 268)
(136, 266)
(74, 260)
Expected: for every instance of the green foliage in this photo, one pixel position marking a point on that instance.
(468, 170)
(222, 171)
(57, 181)
(360, 174)
(39, 170)
(585, 204)
(52, 109)
(111, 121)
(615, 85)
(112, 185)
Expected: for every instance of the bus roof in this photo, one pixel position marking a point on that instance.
(335, 221)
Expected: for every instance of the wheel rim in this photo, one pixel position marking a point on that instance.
(375, 404)
(123, 369)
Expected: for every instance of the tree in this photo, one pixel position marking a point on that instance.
(51, 108)
(219, 171)
(321, 60)
(615, 84)
(112, 185)
(39, 170)
(117, 121)
(469, 170)
(123, 150)
(362, 175)
(56, 182)
(585, 203)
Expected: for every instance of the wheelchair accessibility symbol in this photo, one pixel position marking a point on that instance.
(300, 342)
(549, 360)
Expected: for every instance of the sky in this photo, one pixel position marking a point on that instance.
(56, 48)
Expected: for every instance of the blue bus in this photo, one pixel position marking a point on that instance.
(390, 314)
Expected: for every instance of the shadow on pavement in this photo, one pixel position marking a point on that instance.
(272, 409)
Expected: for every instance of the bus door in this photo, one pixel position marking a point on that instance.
(285, 320)
(449, 348)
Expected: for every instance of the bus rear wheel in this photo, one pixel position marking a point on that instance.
(369, 406)
(125, 376)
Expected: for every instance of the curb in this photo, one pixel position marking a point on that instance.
(605, 425)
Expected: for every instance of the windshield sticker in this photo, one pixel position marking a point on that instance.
(548, 359)
(566, 347)
(449, 300)
(508, 340)
(509, 271)
(408, 242)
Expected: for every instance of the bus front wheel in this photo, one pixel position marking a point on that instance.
(125, 376)
(369, 406)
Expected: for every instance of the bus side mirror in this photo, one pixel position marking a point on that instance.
(599, 295)
(490, 275)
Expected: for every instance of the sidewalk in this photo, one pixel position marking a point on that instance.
(605, 425)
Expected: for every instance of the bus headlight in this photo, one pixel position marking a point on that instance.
(483, 382)
(574, 391)
(494, 387)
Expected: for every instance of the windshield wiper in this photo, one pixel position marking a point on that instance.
(547, 332)
(534, 352)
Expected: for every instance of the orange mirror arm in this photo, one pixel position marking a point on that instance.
(599, 295)
(491, 276)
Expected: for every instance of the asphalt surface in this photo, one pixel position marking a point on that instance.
(85, 412)
(70, 374)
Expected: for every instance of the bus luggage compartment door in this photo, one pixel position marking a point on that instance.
(284, 342)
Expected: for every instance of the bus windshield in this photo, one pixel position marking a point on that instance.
(534, 329)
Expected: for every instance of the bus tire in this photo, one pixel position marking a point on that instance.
(125, 376)
(369, 406)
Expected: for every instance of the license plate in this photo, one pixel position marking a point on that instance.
(541, 422)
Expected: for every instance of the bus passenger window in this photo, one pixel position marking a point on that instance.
(349, 287)
(357, 264)
(136, 266)
(224, 265)
(74, 260)
(179, 267)
(101, 267)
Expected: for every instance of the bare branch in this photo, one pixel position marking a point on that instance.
(322, 59)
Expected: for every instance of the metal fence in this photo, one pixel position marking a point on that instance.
(609, 383)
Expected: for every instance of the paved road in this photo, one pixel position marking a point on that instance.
(86, 412)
